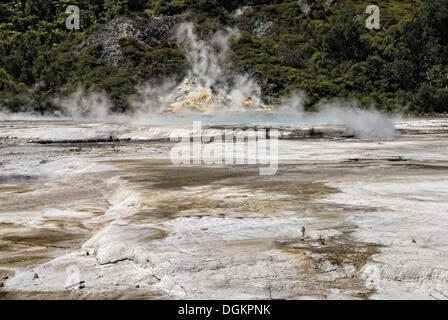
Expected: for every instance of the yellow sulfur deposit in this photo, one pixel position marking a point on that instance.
(248, 103)
(266, 108)
(194, 98)
(203, 95)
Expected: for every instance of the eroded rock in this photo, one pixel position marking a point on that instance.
(144, 29)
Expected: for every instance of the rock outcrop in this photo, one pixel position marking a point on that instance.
(257, 25)
(150, 29)
(144, 29)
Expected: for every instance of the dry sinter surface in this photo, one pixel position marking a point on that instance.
(110, 210)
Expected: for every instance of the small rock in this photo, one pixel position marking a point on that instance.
(137, 286)
(87, 253)
(2, 284)
(321, 240)
(414, 241)
(303, 232)
(36, 276)
(82, 286)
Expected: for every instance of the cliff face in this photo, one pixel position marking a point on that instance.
(143, 29)
(149, 31)
(258, 25)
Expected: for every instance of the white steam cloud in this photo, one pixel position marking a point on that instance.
(206, 60)
(79, 105)
(365, 124)
(206, 74)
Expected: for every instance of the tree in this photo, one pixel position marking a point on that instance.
(342, 40)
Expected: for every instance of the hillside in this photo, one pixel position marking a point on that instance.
(319, 48)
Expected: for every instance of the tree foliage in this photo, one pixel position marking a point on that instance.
(328, 53)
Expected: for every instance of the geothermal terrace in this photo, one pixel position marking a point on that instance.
(95, 210)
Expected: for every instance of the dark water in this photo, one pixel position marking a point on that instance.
(14, 179)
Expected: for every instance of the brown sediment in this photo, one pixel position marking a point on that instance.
(65, 225)
(33, 246)
(128, 294)
(5, 191)
(284, 194)
(157, 234)
(25, 259)
(56, 195)
(308, 191)
(93, 211)
(173, 177)
(340, 251)
(168, 192)
(150, 176)
(44, 237)
(23, 246)
(202, 204)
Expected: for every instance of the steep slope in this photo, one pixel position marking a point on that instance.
(320, 48)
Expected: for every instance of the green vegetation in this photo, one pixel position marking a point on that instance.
(330, 54)
(327, 53)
